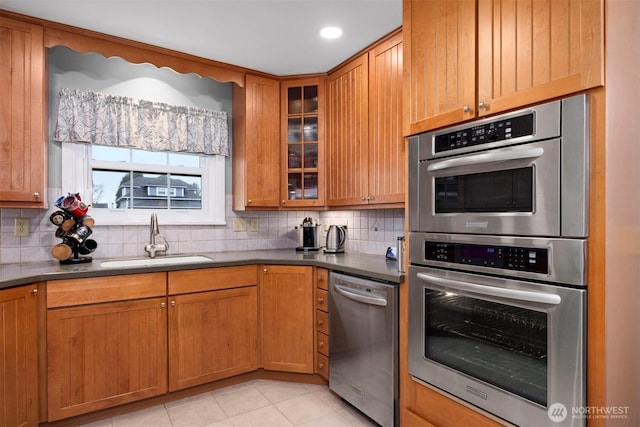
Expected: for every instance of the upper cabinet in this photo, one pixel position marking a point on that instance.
(23, 160)
(302, 145)
(365, 149)
(256, 144)
(526, 52)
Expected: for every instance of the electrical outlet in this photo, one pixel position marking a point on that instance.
(254, 225)
(21, 227)
(239, 224)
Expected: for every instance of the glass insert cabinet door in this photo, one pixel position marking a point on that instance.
(303, 142)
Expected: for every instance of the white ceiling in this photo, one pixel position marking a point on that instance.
(279, 37)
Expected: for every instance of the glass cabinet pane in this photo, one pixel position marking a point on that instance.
(294, 129)
(310, 129)
(310, 156)
(310, 99)
(295, 186)
(295, 156)
(294, 97)
(310, 186)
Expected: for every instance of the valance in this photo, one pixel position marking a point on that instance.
(118, 121)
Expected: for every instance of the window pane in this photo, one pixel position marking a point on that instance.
(107, 188)
(186, 160)
(149, 157)
(186, 192)
(149, 191)
(112, 154)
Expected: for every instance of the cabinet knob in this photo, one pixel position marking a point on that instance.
(483, 106)
(36, 195)
(321, 365)
(173, 303)
(320, 322)
(249, 201)
(320, 300)
(364, 198)
(34, 292)
(264, 270)
(283, 201)
(321, 344)
(466, 109)
(163, 305)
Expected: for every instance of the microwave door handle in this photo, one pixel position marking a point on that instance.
(487, 158)
(357, 296)
(528, 296)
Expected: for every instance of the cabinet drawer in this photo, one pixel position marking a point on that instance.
(322, 300)
(322, 322)
(70, 292)
(322, 343)
(322, 279)
(210, 279)
(322, 365)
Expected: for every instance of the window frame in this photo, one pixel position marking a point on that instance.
(77, 166)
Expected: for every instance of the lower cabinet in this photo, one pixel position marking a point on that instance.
(19, 356)
(102, 353)
(287, 318)
(213, 334)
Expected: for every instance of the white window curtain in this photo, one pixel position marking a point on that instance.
(102, 119)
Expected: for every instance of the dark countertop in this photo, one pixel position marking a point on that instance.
(367, 265)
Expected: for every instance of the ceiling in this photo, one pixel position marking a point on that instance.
(279, 37)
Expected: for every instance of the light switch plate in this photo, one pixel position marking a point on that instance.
(239, 224)
(254, 225)
(21, 227)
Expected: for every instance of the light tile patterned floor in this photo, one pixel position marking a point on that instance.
(257, 403)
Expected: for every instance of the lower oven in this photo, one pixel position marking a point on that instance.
(484, 329)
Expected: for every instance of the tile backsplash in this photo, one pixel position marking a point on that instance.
(368, 231)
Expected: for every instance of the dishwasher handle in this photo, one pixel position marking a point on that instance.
(360, 296)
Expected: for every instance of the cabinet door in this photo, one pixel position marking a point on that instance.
(347, 134)
(439, 63)
(302, 135)
(256, 145)
(22, 115)
(103, 355)
(531, 51)
(212, 335)
(387, 152)
(19, 357)
(287, 327)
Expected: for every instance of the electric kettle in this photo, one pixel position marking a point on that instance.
(336, 237)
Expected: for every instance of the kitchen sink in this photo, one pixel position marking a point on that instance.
(161, 260)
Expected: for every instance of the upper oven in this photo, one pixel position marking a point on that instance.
(522, 173)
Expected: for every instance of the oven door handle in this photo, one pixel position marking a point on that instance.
(487, 158)
(357, 296)
(529, 296)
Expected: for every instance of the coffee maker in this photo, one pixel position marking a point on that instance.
(309, 235)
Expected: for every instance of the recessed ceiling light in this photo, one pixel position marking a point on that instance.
(330, 32)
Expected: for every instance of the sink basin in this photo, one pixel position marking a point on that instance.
(161, 260)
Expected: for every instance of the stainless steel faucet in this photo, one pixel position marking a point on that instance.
(153, 248)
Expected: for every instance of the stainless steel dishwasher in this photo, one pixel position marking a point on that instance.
(363, 345)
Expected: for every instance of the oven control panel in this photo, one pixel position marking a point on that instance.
(498, 130)
(533, 260)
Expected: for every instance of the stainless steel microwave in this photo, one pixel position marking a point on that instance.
(523, 173)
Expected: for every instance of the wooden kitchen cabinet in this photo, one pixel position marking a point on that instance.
(256, 144)
(106, 342)
(527, 52)
(287, 320)
(302, 135)
(19, 356)
(365, 148)
(23, 146)
(213, 325)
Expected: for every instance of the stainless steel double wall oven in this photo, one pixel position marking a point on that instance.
(498, 218)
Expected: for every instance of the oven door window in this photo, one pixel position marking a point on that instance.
(497, 191)
(503, 345)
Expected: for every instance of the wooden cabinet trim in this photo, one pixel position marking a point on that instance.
(71, 292)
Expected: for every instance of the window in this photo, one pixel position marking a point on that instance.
(124, 185)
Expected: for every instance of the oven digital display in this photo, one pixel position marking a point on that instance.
(533, 260)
